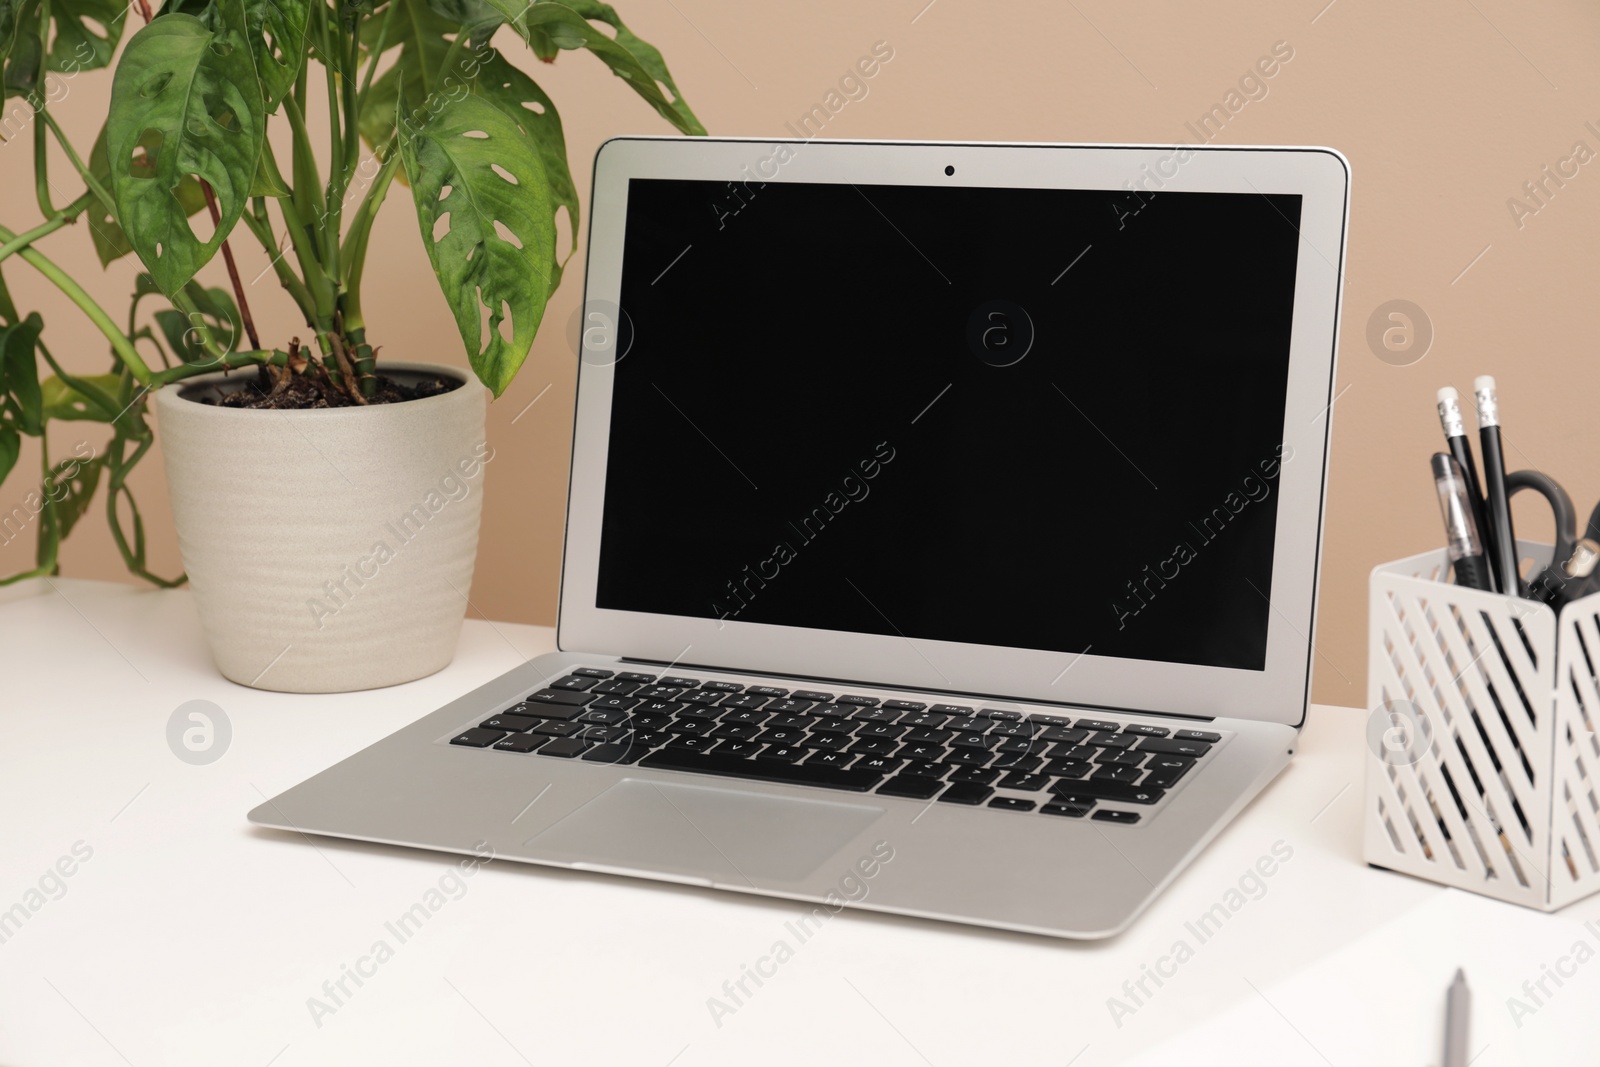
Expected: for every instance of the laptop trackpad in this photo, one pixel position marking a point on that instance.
(726, 835)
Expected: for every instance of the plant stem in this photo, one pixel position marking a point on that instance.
(354, 252)
(108, 407)
(229, 361)
(261, 227)
(83, 172)
(41, 172)
(74, 292)
(25, 239)
(233, 270)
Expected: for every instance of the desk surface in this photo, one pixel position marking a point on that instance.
(183, 935)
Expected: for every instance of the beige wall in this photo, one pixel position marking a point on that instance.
(1444, 111)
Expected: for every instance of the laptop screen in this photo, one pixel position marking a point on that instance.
(1029, 418)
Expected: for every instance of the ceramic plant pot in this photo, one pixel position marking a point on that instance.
(332, 549)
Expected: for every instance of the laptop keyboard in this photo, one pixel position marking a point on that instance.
(952, 753)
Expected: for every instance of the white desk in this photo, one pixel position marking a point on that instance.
(188, 937)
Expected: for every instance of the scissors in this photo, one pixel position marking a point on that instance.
(1572, 570)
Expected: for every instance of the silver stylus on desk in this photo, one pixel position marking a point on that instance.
(1457, 1012)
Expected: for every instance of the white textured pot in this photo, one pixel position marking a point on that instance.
(329, 549)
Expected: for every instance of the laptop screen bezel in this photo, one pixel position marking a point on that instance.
(1278, 693)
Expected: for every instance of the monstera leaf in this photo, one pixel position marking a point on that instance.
(219, 317)
(483, 204)
(278, 42)
(87, 32)
(418, 31)
(637, 63)
(21, 48)
(110, 243)
(520, 97)
(185, 101)
(19, 374)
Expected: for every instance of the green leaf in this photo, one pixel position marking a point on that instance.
(520, 97)
(10, 449)
(8, 309)
(62, 401)
(185, 101)
(630, 58)
(278, 41)
(23, 53)
(72, 483)
(10, 19)
(418, 32)
(21, 367)
(268, 182)
(218, 315)
(472, 163)
(476, 17)
(87, 32)
(110, 243)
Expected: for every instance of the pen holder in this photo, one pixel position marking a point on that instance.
(1483, 758)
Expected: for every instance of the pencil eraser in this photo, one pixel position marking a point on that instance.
(1448, 393)
(1482, 382)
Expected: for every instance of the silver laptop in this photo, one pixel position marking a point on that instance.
(942, 537)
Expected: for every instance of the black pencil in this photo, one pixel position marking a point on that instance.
(1496, 503)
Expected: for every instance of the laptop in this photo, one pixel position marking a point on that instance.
(942, 537)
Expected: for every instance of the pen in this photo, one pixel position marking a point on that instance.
(1455, 438)
(1503, 540)
(1461, 532)
(1457, 1007)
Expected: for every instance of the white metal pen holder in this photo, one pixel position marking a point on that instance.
(1483, 757)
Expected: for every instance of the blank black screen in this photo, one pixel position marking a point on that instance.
(821, 418)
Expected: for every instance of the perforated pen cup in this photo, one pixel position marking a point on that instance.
(1482, 752)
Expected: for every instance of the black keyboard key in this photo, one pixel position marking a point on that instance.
(614, 703)
(1114, 773)
(592, 672)
(1014, 761)
(477, 738)
(614, 688)
(1174, 747)
(975, 757)
(884, 714)
(702, 697)
(924, 768)
(665, 707)
(559, 696)
(692, 727)
(1198, 735)
(767, 691)
(1064, 735)
(831, 725)
(951, 709)
(1147, 731)
(1068, 768)
(745, 700)
(1100, 724)
(830, 759)
(1031, 783)
(966, 793)
(780, 735)
(930, 719)
(635, 676)
(1001, 715)
(974, 775)
(1014, 729)
(565, 747)
(811, 695)
(595, 734)
(745, 716)
(837, 711)
(679, 682)
(649, 739)
(874, 746)
(621, 753)
(742, 749)
(790, 707)
(1071, 811)
(1105, 740)
(1078, 752)
(969, 724)
(1112, 815)
(829, 741)
(1089, 790)
(691, 743)
(675, 759)
(520, 743)
(1166, 770)
(783, 753)
(603, 716)
(1022, 746)
(880, 764)
(928, 735)
(1012, 804)
(693, 711)
(924, 752)
(556, 729)
(881, 729)
(1120, 758)
(905, 705)
(649, 720)
(1050, 720)
(865, 702)
(575, 682)
(661, 692)
(722, 687)
(982, 741)
(732, 731)
(793, 722)
(911, 786)
(513, 723)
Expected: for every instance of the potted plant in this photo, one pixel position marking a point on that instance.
(326, 503)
